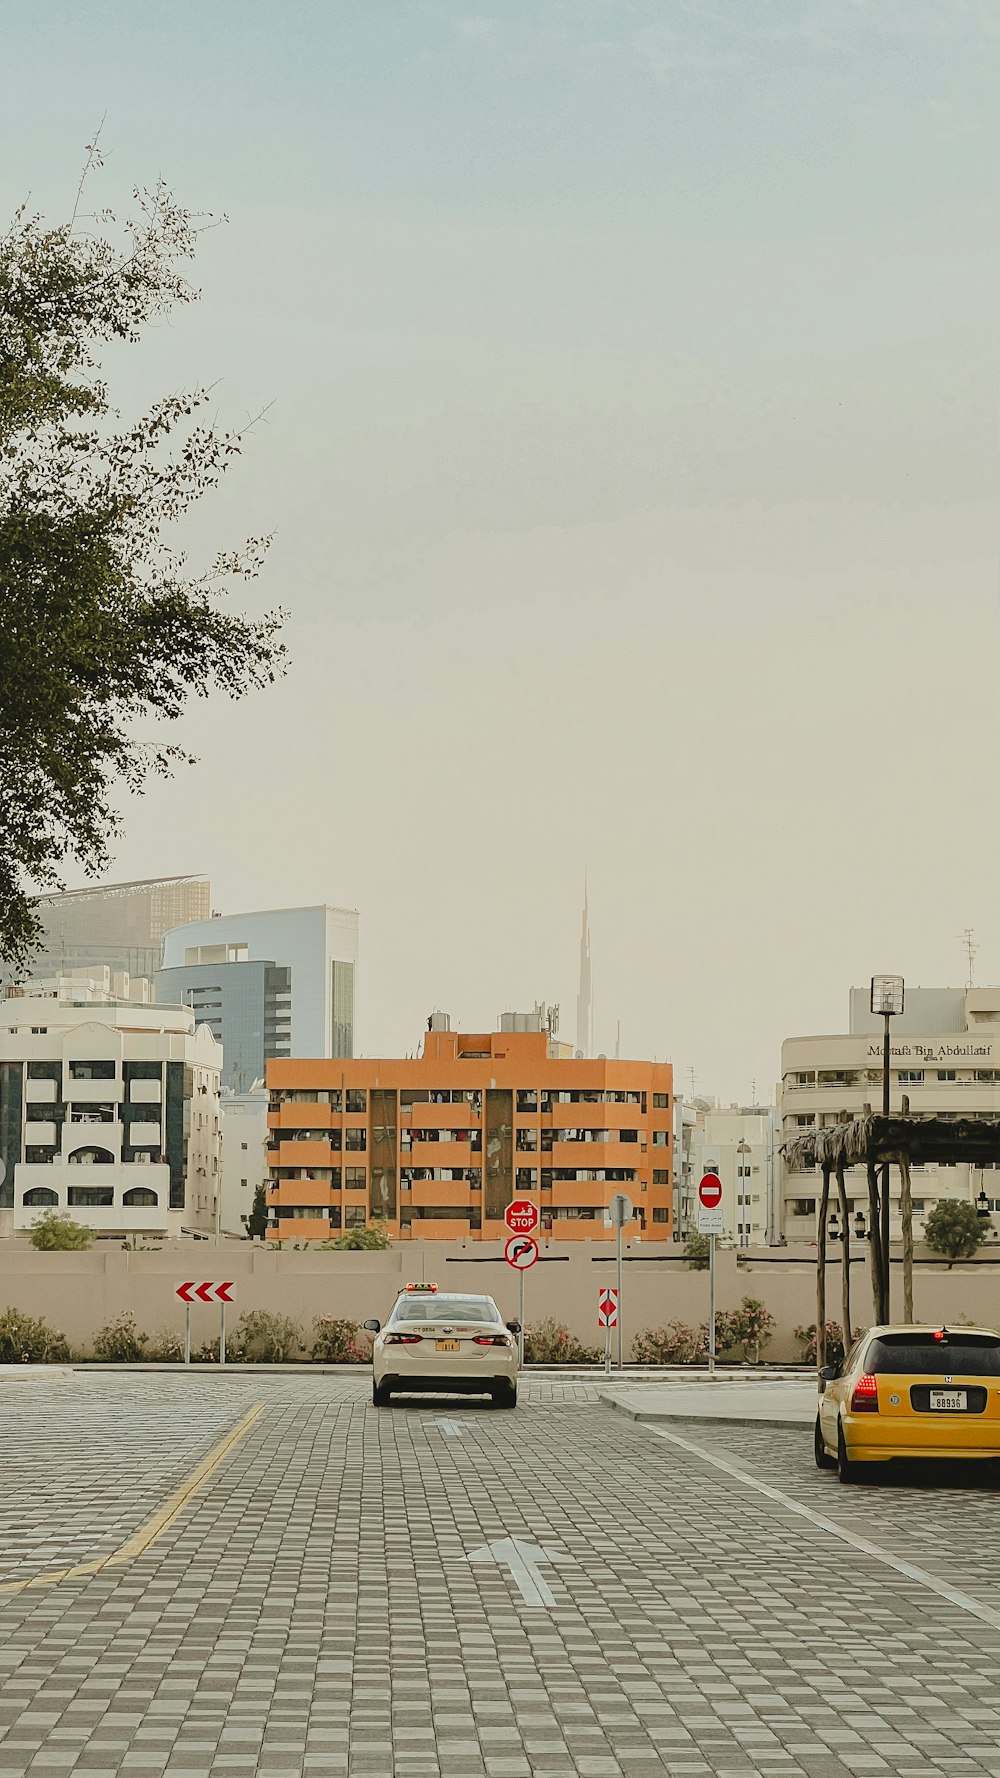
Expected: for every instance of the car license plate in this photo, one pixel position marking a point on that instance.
(945, 1400)
(456, 1346)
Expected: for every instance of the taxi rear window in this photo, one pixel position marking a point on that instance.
(443, 1308)
(957, 1355)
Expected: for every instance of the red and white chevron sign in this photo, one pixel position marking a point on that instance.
(205, 1293)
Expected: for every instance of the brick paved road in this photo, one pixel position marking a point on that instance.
(314, 1611)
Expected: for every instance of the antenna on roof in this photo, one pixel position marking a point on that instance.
(970, 947)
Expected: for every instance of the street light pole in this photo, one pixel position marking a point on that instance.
(887, 994)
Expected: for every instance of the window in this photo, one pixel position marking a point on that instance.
(661, 1138)
(92, 1071)
(140, 1198)
(911, 1077)
(39, 1030)
(661, 1215)
(39, 1195)
(661, 1176)
(805, 1120)
(526, 1179)
(354, 1216)
(946, 1074)
(357, 1099)
(804, 1207)
(356, 1139)
(661, 1101)
(989, 1076)
(962, 1355)
(527, 1140)
(527, 1099)
(92, 1197)
(355, 1179)
(90, 1157)
(243, 1146)
(633, 1135)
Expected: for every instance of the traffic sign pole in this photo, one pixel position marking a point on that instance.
(187, 1334)
(520, 1323)
(711, 1305)
(618, 1282)
(222, 1331)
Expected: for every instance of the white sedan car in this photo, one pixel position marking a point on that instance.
(445, 1342)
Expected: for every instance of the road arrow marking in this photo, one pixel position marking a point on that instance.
(522, 1559)
(451, 1428)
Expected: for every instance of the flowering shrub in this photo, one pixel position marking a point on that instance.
(120, 1342)
(339, 1342)
(674, 1343)
(806, 1337)
(750, 1327)
(165, 1347)
(550, 1342)
(26, 1341)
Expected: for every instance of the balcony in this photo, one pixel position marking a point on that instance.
(303, 1117)
(294, 1193)
(303, 1154)
(437, 1154)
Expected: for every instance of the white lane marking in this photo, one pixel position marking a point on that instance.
(450, 1428)
(909, 1569)
(522, 1559)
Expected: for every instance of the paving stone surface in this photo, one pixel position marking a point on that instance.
(314, 1611)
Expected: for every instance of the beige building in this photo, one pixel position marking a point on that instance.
(109, 1111)
(244, 1155)
(738, 1143)
(944, 1060)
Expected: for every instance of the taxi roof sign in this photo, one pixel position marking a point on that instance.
(414, 1288)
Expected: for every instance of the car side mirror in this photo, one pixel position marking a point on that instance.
(513, 1327)
(829, 1373)
(372, 1326)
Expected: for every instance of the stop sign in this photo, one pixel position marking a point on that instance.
(522, 1216)
(710, 1191)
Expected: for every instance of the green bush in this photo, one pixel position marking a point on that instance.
(24, 1340)
(166, 1347)
(264, 1338)
(54, 1232)
(550, 1342)
(674, 1343)
(955, 1229)
(696, 1251)
(339, 1342)
(373, 1239)
(119, 1342)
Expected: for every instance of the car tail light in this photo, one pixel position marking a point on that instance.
(491, 1340)
(403, 1339)
(864, 1399)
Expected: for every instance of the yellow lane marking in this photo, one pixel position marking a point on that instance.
(165, 1515)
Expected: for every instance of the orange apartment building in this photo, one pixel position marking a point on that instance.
(437, 1145)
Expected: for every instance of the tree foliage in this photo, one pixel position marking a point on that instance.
(373, 1239)
(257, 1220)
(955, 1229)
(55, 1232)
(102, 624)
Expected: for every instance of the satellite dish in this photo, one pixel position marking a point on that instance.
(602, 1057)
(578, 1054)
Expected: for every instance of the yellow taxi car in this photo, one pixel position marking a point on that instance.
(447, 1342)
(905, 1393)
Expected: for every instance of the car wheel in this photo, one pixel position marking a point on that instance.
(381, 1395)
(505, 1395)
(846, 1470)
(822, 1455)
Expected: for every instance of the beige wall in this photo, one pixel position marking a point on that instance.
(79, 1292)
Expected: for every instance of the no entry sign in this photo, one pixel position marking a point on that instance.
(522, 1216)
(205, 1293)
(607, 1307)
(710, 1205)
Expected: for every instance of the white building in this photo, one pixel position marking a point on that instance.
(737, 1142)
(244, 1155)
(108, 1110)
(944, 1059)
(274, 984)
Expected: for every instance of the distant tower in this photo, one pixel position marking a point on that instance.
(585, 997)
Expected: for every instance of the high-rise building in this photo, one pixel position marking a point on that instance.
(271, 984)
(119, 926)
(585, 995)
(437, 1145)
(108, 1110)
(945, 1061)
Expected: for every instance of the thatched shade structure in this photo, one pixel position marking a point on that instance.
(872, 1142)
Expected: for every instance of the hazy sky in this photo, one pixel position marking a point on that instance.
(633, 467)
